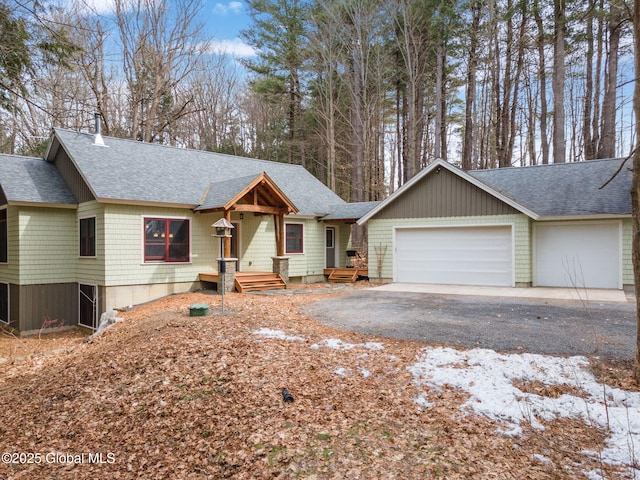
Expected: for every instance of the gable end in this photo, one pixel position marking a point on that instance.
(72, 177)
(441, 193)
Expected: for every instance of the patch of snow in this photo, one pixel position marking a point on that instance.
(364, 372)
(341, 371)
(488, 376)
(338, 344)
(422, 402)
(595, 475)
(541, 458)
(277, 334)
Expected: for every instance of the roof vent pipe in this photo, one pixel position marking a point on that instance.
(97, 140)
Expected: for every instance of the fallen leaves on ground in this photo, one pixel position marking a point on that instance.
(166, 395)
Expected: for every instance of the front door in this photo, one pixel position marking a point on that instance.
(330, 247)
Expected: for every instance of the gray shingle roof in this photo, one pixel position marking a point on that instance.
(565, 189)
(222, 192)
(349, 211)
(142, 172)
(33, 180)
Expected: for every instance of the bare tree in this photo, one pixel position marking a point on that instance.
(414, 41)
(470, 93)
(559, 36)
(635, 190)
(607, 145)
(161, 45)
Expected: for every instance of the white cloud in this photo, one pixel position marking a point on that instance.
(228, 8)
(235, 47)
(93, 7)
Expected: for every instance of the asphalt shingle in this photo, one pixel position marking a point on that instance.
(143, 172)
(33, 180)
(565, 189)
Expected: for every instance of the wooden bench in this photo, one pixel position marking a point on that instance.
(248, 282)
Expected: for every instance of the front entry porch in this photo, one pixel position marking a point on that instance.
(249, 281)
(261, 196)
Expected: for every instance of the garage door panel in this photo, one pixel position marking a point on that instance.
(455, 255)
(578, 255)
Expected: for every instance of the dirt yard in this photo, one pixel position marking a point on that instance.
(166, 395)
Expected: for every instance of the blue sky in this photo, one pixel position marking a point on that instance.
(224, 20)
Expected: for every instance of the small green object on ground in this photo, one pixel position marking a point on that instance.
(198, 310)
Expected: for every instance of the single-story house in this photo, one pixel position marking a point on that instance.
(102, 223)
(560, 225)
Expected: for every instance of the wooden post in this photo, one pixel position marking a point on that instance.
(280, 235)
(227, 240)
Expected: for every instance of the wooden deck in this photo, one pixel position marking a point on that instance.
(345, 275)
(250, 281)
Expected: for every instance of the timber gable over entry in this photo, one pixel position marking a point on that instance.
(259, 195)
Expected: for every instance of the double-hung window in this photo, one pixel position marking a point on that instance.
(88, 237)
(166, 240)
(295, 238)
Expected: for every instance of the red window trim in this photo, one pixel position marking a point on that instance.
(301, 238)
(165, 258)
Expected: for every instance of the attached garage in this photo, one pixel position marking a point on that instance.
(473, 255)
(559, 225)
(582, 255)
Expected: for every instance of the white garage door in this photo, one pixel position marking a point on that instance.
(584, 256)
(455, 255)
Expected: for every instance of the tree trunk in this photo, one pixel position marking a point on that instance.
(559, 29)
(607, 146)
(440, 138)
(470, 97)
(589, 146)
(542, 77)
(635, 190)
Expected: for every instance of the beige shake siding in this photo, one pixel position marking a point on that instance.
(627, 263)
(10, 270)
(48, 249)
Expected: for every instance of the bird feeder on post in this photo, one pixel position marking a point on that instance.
(223, 229)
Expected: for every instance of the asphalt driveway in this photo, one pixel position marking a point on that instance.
(545, 326)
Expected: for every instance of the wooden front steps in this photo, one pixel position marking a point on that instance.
(253, 281)
(345, 275)
(250, 281)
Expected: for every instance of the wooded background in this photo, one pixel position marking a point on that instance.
(363, 93)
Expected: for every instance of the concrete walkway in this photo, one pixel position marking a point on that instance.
(592, 295)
